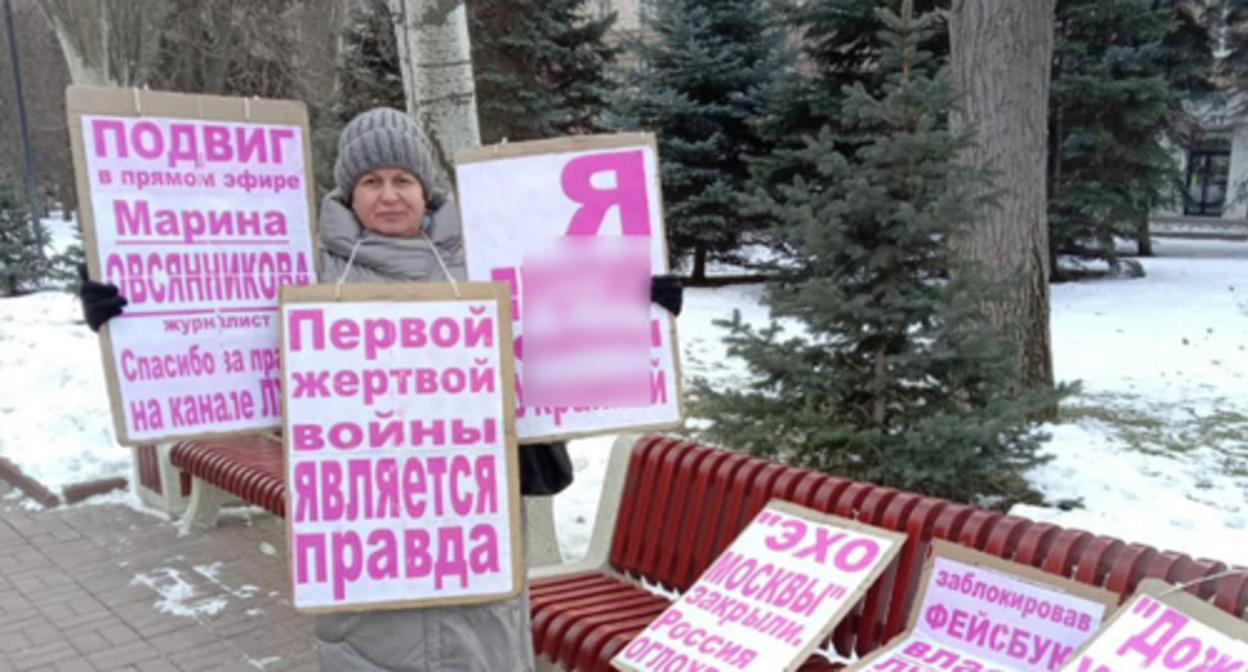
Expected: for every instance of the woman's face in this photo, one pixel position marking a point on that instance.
(390, 201)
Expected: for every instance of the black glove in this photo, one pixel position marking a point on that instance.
(667, 291)
(100, 302)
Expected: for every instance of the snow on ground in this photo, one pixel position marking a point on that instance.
(61, 233)
(1155, 449)
(177, 597)
(55, 422)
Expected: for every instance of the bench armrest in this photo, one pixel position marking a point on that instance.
(599, 553)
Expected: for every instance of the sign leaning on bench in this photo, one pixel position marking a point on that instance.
(400, 447)
(1164, 628)
(770, 598)
(199, 209)
(574, 227)
(978, 612)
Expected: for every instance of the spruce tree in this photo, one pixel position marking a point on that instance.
(891, 374)
(701, 84)
(22, 266)
(65, 264)
(840, 47)
(542, 68)
(1229, 19)
(1122, 71)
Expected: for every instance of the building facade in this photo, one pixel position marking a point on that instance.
(1214, 168)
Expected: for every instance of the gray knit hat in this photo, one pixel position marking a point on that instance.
(382, 138)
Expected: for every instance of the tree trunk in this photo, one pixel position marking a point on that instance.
(1143, 237)
(699, 263)
(1002, 53)
(879, 403)
(106, 42)
(320, 25)
(82, 30)
(435, 56)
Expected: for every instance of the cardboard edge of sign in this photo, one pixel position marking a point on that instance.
(106, 101)
(592, 143)
(464, 291)
(563, 145)
(942, 548)
(897, 541)
(1172, 596)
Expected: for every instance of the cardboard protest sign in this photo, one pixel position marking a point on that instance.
(977, 611)
(575, 228)
(403, 488)
(775, 593)
(199, 209)
(1163, 627)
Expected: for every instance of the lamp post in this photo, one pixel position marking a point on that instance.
(32, 189)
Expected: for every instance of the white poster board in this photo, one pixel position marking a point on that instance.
(1164, 628)
(976, 609)
(199, 209)
(401, 465)
(527, 200)
(778, 590)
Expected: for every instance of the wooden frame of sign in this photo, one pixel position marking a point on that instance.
(941, 548)
(899, 541)
(426, 292)
(1175, 597)
(589, 143)
(961, 554)
(135, 103)
(799, 658)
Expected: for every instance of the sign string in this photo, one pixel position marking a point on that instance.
(445, 270)
(1211, 577)
(345, 270)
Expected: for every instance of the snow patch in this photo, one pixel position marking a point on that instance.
(576, 507)
(177, 596)
(55, 424)
(210, 573)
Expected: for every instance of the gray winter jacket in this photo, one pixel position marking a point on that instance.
(491, 637)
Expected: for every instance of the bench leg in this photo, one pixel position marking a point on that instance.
(206, 502)
(171, 478)
(157, 482)
(542, 539)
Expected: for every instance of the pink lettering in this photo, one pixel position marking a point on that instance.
(629, 192)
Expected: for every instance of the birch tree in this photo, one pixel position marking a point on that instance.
(106, 42)
(435, 56)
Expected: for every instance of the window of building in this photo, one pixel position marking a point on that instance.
(1208, 178)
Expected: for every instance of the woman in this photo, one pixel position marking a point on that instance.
(384, 222)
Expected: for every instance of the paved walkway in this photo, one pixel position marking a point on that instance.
(104, 588)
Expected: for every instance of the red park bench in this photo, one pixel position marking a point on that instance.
(669, 507)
